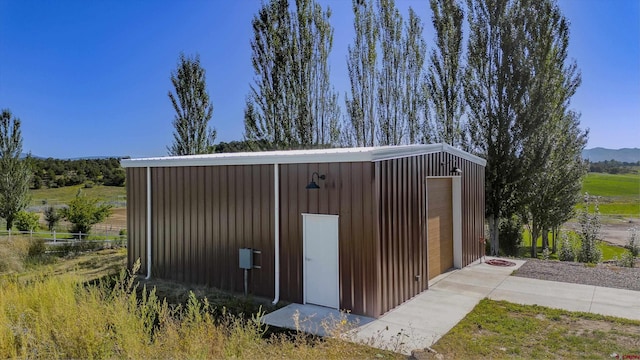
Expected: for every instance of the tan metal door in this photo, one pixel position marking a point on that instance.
(440, 226)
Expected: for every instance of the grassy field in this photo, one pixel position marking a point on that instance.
(620, 193)
(501, 330)
(63, 195)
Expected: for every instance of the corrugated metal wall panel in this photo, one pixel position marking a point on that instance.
(402, 229)
(347, 192)
(137, 216)
(402, 212)
(201, 216)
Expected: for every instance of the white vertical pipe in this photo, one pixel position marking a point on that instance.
(148, 223)
(276, 227)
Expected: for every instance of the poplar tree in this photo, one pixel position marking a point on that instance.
(391, 75)
(193, 107)
(445, 73)
(267, 119)
(518, 85)
(495, 82)
(362, 68)
(415, 48)
(15, 173)
(292, 103)
(553, 152)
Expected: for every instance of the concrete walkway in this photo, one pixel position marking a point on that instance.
(424, 319)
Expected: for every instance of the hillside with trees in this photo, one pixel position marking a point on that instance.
(56, 173)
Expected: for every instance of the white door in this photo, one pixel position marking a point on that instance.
(320, 251)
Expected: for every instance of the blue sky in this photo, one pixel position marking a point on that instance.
(91, 77)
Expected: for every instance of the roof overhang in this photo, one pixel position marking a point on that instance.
(361, 154)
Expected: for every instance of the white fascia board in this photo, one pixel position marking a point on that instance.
(256, 158)
(363, 154)
(463, 154)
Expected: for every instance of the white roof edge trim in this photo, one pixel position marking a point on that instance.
(463, 154)
(300, 156)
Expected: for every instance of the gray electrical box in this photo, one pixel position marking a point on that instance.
(246, 258)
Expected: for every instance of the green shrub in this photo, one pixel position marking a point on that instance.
(633, 245)
(52, 217)
(83, 213)
(566, 252)
(589, 232)
(510, 235)
(37, 248)
(628, 259)
(27, 221)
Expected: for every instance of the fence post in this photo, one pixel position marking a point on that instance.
(31, 234)
(54, 235)
(80, 235)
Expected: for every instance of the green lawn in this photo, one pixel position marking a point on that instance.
(617, 185)
(620, 193)
(63, 195)
(501, 330)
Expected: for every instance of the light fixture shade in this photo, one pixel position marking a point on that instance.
(312, 185)
(456, 170)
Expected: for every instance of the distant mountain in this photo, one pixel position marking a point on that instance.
(24, 155)
(602, 154)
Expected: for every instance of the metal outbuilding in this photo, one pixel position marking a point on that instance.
(380, 222)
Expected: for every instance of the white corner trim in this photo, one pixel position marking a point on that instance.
(456, 194)
(148, 223)
(276, 227)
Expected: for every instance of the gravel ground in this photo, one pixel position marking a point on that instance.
(607, 275)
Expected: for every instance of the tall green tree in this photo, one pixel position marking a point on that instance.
(292, 103)
(362, 67)
(318, 114)
(267, 117)
(391, 75)
(445, 73)
(496, 80)
(415, 49)
(552, 152)
(518, 85)
(193, 107)
(15, 173)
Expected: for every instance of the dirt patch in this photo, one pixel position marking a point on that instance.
(614, 230)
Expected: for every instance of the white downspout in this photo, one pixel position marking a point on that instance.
(148, 223)
(276, 227)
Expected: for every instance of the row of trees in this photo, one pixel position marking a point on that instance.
(504, 95)
(54, 173)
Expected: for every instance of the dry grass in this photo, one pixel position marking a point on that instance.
(61, 311)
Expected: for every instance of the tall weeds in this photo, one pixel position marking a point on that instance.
(61, 317)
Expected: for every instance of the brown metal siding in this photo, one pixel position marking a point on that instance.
(200, 217)
(347, 192)
(402, 218)
(137, 217)
(472, 184)
(402, 212)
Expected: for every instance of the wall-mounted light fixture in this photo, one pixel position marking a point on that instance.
(312, 184)
(454, 169)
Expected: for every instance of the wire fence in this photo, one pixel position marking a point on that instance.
(61, 238)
